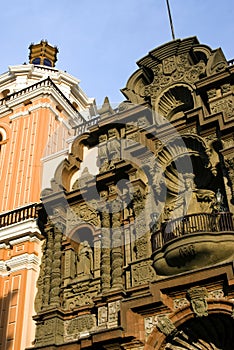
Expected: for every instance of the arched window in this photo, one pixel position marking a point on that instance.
(3, 137)
(36, 60)
(47, 62)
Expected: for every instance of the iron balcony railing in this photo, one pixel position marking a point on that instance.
(189, 224)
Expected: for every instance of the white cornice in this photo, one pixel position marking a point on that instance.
(20, 262)
(24, 239)
(14, 231)
(41, 106)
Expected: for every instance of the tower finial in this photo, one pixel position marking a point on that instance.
(43, 54)
(170, 19)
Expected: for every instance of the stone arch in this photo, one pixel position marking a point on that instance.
(85, 232)
(174, 100)
(67, 168)
(185, 331)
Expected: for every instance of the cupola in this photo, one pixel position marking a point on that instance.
(43, 54)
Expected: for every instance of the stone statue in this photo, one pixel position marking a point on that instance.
(85, 260)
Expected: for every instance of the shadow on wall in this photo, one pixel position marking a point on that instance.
(7, 320)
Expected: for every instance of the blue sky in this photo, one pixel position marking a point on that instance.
(100, 41)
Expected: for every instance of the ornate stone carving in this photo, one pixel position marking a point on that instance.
(150, 323)
(49, 332)
(142, 273)
(225, 88)
(113, 146)
(211, 93)
(80, 326)
(105, 252)
(229, 163)
(113, 314)
(117, 256)
(82, 213)
(102, 154)
(102, 317)
(180, 303)
(224, 105)
(216, 294)
(197, 297)
(79, 294)
(171, 70)
(50, 273)
(165, 325)
(56, 265)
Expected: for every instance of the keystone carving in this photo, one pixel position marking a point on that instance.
(197, 297)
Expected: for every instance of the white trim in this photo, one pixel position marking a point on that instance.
(64, 152)
(24, 239)
(22, 262)
(19, 229)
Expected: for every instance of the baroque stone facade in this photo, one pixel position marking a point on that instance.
(139, 255)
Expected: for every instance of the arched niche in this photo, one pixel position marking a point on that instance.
(182, 162)
(68, 167)
(174, 101)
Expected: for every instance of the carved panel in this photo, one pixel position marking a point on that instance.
(80, 294)
(172, 70)
(224, 105)
(49, 332)
(113, 314)
(80, 326)
(142, 273)
(102, 317)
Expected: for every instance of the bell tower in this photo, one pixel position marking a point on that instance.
(37, 116)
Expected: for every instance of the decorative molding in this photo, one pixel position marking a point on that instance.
(19, 229)
(21, 262)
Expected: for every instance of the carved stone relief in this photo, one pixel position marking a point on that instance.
(172, 70)
(165, 325)
(142, 273)
(80, 326)
(197, 297)
(113, 313)
(224, 105)
(102, 317)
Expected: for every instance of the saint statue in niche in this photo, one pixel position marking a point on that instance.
(85, 260)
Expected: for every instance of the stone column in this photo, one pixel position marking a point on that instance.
(105, 253)
(117, 254)
(56, 265)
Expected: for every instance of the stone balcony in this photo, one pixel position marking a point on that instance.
(192, 242)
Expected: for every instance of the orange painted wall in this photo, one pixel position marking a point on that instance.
(20, 184)
(20, 159)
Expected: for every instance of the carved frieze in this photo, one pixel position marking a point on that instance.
(171, 70)
(49, 332)
(80, 326)
(150, 323)
(82, 213)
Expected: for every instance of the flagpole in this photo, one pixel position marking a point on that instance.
(170, 19)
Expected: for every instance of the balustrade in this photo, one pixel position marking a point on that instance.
(190, 224)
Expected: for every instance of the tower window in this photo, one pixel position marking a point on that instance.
(36, 60)
(47, 62)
